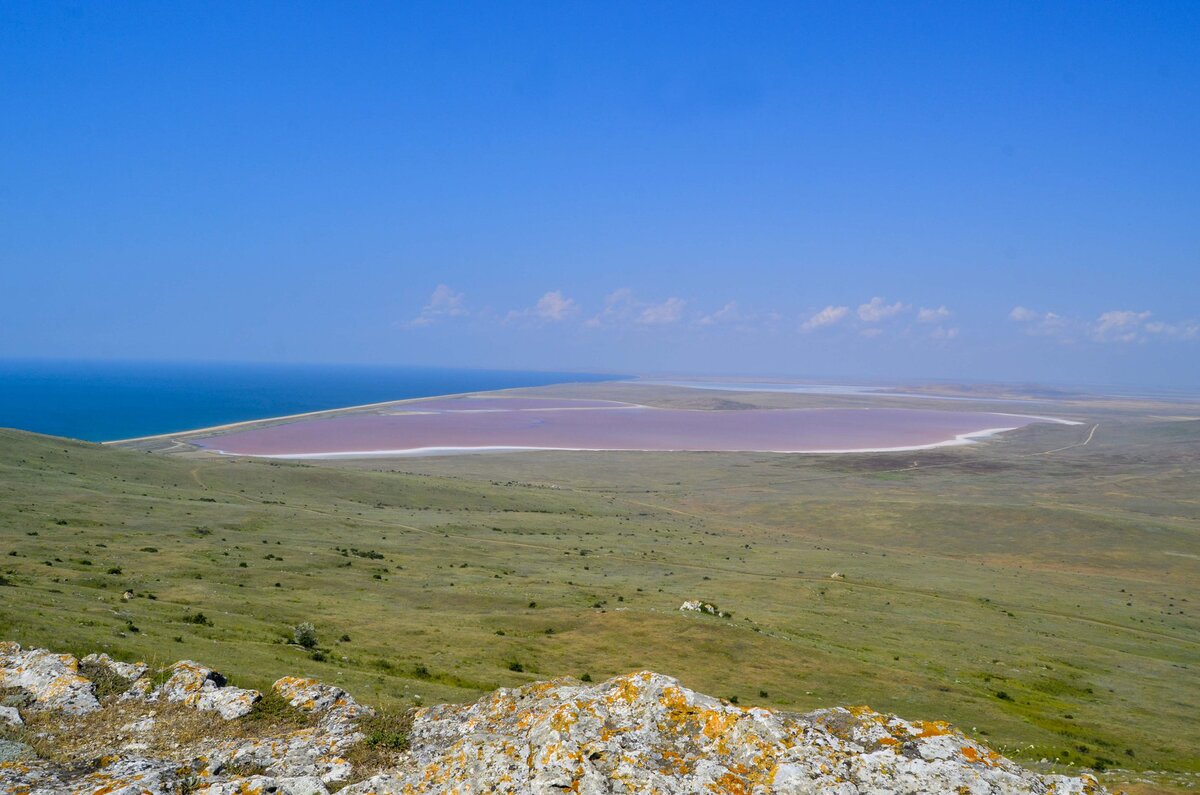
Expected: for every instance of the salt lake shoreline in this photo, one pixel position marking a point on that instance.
(971, 437)
(966, 438)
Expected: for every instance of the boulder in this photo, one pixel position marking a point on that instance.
(129, 671)
(206, 690)
(311, 695)
(52, 680)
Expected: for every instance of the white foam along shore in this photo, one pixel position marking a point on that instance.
(970, 437)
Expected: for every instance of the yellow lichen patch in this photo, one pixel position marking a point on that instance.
(974, 755)
(717, 724)
(675, 760)
(731, 784)
(932, 728)
(627, 690)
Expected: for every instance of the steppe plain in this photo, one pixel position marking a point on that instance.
(1039, 589)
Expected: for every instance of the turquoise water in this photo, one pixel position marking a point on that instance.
(102, 401)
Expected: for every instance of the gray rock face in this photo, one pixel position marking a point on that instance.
(205, 689)
(130, 671)
(646, 733)
(52, 680)
(632, 734)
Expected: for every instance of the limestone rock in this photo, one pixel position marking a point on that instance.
(12, 751)
(130, 671)
(643, 732)
(304, 785)
(52, 680)
(10, 716)
(313, 696)
(205, 689)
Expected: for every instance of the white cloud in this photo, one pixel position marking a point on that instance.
(1119, 325)
(669, 311)
(876, 310)
(553, 307)
(1041, 323)
(1114, 326)
(443, 303)
(826, 317)
(1188, 330)
(943, 333)
(621, 307)
(932, 315)
(726, 314)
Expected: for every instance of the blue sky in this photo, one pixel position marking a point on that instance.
(926, 190)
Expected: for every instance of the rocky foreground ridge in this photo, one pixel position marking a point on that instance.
(104, 727)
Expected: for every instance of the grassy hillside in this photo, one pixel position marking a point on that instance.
(1046, 601)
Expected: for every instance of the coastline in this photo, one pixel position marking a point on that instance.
(175, 435)
(971, 437)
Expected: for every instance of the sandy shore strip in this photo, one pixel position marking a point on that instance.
(971, 437)
(229, 426)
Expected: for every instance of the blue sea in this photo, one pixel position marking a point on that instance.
(103, 401)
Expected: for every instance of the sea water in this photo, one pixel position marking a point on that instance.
(103, 401)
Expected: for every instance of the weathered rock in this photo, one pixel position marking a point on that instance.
(205, 689)
(52, 680)
(304, 785)
(313, 696)
(12, 751)
(133, 777)
(637, 733)
(708, 608)
(10, 716)
(130, 671)
(645, 733)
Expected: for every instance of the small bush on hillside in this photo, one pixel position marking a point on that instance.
(305, 634)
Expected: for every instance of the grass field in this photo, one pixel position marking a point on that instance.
(1040, 592)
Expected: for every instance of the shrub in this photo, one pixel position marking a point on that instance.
(305, 634)
(199, 619)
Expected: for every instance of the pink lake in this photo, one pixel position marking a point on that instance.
(451, 425)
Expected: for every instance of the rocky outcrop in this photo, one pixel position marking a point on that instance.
(52, 679)
(206, 690)
(642, 732)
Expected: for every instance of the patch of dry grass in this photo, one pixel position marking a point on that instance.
(179, 731)
(385, 740)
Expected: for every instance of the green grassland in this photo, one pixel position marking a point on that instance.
(1037, 591)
